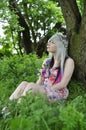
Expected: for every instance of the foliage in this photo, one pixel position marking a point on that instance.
(80, 5)
(17, 68)
(34, 111)
(40, 16)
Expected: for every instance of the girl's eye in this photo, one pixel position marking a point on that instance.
(52, 42)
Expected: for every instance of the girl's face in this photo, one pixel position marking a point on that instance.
(52, 46)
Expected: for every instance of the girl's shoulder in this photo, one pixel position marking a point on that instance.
(69, 61)
(68, 58)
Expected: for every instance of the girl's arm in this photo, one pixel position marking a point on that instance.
(68, 71)
(39, 81)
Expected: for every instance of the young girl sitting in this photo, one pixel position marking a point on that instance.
(56, 73)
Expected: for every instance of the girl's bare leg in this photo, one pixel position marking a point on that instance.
(16, 94)
(24, 87)
(19, 90)
(29, 87)
(35, 88)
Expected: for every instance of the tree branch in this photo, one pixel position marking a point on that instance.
(26, 34)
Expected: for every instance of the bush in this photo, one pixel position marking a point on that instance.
(35, 112)
(16, 69)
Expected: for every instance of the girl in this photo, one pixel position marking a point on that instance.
(56, 73)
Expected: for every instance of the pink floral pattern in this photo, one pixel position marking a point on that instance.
(49, 76)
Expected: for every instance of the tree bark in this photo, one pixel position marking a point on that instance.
(76, 32)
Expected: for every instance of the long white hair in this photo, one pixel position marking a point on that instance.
(61, 48)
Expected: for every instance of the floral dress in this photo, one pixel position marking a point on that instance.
(50, 78)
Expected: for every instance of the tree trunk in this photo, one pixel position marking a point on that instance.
(41, 48)
(26, 34)
(76, 32)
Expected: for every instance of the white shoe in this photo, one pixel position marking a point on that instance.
(5, 112)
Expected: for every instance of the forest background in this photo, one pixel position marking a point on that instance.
(27, 25)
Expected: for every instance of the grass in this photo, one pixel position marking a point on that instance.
(35, 112)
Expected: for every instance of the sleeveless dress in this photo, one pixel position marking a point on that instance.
(50, 78)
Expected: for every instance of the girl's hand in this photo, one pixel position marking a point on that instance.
(56, 86)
